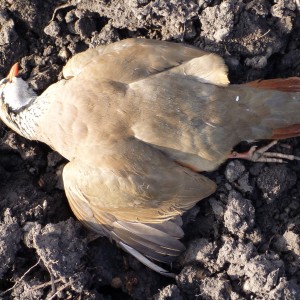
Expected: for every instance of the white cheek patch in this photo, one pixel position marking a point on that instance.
(17, 93)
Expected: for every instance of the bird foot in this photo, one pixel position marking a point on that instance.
(263, 155)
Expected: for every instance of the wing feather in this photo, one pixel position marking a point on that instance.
(112, 202)
(131, 60)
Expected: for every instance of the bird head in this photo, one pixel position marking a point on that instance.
(15, 93)
(15, 96)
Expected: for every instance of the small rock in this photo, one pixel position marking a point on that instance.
(58, 247)
(292, 241)
(217, 208)
(53, 29)
(10, 236)
(212, 288)
(262, 273)
(235, 252)
(274, 181)
(234, 170)
(189, 280)
(239, 214)
(170, 292)
(200, 250)
(116, 283)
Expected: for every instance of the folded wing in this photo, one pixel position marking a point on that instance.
(131, 60)
(136, 202)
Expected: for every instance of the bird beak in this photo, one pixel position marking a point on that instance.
(13, 72)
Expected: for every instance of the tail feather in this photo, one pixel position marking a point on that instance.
(291, 84)
(286, 132)
(283, 112)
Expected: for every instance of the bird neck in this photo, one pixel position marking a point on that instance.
(24, 120)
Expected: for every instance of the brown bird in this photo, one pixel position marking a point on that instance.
(137, 120)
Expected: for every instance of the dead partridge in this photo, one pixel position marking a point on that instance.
(138, 120)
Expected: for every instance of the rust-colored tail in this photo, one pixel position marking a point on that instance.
(291, 84)
(286, 132)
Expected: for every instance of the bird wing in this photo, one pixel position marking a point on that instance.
(135, 59)
(135, 199)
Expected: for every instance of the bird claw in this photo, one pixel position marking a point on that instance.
(263, 155)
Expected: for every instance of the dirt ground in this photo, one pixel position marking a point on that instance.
(243, 242)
